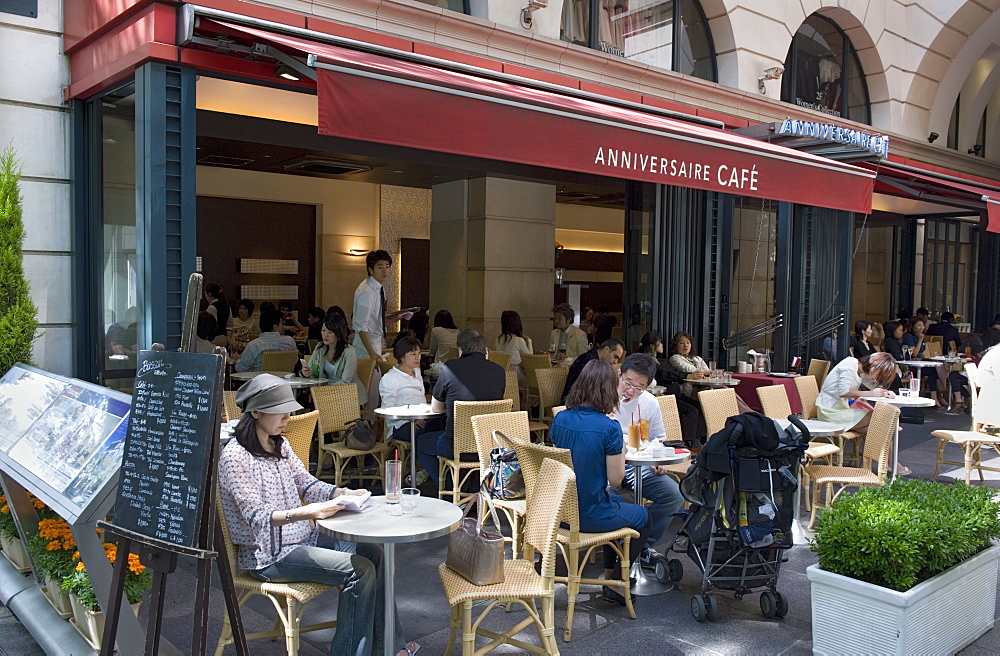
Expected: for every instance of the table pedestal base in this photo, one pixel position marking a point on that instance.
(646, 583)
(389, 631)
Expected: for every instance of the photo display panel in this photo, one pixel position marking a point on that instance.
(168, 446)
(24, 396)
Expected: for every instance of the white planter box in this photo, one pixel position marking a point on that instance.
(939, 616)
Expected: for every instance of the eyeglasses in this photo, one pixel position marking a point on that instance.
(631, 388)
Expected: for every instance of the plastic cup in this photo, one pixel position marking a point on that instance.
(634, 433)
(644, 430)
(393, 471)
(409, 498)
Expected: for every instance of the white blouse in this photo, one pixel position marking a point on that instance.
(513, 346)
(397, 388)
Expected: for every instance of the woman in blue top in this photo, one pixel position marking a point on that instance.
(598, 450)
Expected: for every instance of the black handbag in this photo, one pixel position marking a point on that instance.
(506, 480)
(360, 436)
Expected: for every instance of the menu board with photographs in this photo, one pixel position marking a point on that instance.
(63, 437)
(175, 419)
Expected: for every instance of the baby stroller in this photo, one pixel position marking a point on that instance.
(742, 489)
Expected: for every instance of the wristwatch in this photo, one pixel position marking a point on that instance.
(287, 518)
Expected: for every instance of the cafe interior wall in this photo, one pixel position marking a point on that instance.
(872, 276)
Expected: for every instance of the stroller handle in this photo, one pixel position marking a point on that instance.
(798, 423)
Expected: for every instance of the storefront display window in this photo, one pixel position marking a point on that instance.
(670, 34)
(461, 6)
(822, 72)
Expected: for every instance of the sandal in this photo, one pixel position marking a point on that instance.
(904, 471)
(412, 648)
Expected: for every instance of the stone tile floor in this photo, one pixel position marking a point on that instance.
(664, 624)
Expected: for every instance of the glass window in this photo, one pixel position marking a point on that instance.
(461, 6)
(822, 72)
(953, 125)
(645, 31)
(755, 234)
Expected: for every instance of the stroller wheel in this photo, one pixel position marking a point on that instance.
(675, 571)
(781, 609)
(711, 606)
(698, 608)
(768, 604)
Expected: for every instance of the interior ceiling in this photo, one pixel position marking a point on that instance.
(256, 144)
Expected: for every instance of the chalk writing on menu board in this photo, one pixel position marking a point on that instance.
(167, 448)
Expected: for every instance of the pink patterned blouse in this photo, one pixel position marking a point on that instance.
(253, 489)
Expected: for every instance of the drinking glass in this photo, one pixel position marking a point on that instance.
(952, 353)
(393, 471)
(409, 497)
(644, 431)
(711, 366)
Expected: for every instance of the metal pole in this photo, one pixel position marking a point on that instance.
(389, 630)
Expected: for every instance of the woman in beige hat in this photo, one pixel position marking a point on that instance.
(262, 482)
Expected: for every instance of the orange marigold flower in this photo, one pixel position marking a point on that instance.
(38, 503)
(5, 509)
(80, 567)
(55, 545)
(134, 565)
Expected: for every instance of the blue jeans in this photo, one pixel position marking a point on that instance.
(665, 495)
(431, 445)
(361, 605)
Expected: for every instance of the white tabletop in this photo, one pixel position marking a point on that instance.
(951, 360)
(904, 401)
(815, 426)
(712, 381)
(644, 458)
(432, 518)
(291, 379)
(918, 363)
(411, 411)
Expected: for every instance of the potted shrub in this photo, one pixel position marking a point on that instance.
(905, 568)
(18, 315)
(51, 552)
(87, 616)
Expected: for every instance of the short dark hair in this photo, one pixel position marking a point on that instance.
(642, 364)
(947, 317)
(247, 303)
(407, 344)
(471, 340)
(596, 386)
(336, 308)
(374, 257)
(924, 311)
(317, 312)
(889, 327)
(267, 305)
(268, 320)
(648, 342)
(285, 305)
(208, 327)
(672, 347)
(603, 309)
(612, 343)
(566, 310)
(443, 319)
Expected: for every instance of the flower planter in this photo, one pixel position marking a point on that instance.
(939, 616)
(13, 549)
(90, 623)
(59, 599)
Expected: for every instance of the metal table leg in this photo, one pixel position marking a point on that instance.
(645, 585)
(389, 631)
(413, 452)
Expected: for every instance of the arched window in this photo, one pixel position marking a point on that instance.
(670, 34)
(822, 72)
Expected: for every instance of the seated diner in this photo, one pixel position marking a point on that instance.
(333, 359)
(270, 340)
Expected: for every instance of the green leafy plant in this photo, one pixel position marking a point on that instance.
(18, 315)
(138, 579)
(906, 532)
(51, 549)
(8, 529)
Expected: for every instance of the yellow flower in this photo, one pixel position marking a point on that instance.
(5, 509)
(134, 565)
(80, 567)
(55, 545)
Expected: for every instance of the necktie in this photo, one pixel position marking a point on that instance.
(381, 293)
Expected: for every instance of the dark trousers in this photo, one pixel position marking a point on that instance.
(611, 559)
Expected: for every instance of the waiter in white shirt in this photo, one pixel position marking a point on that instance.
(368, 317)
(988, 378)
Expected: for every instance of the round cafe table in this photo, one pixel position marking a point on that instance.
(296, 382)
(431, 519)
(950, 360)
(901, 402)
(646, 586)
(411, 413)
(713, 382)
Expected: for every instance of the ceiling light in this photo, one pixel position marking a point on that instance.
(288, 73)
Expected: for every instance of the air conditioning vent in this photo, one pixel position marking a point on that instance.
(326, 166)
(220, 160)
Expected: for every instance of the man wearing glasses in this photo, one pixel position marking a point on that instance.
(637, 371)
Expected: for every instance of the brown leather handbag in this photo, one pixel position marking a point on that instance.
(474, 552)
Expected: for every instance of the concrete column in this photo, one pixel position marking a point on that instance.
(492, 249)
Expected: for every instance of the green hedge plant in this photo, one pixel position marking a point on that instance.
(18, 315)
(906, 532)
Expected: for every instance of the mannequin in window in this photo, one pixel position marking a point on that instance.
(575, 21)
(828, 77)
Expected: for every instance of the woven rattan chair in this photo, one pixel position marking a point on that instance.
(571, 540)
(521, 583)
(971, 441)
(365, 369)
(878, 443)
(502, 359)
(279, 361)
(464, 442)
(452, 354)
(819, 369)
(808, 391)
(551, 382)
(672, 427)
(933, 346)
(229, 407)
(385, 365)
(515, 426)
(511, 390)
(299, 433)
(531, 363)
(718, 405)
(338, 406)
(289, 600)
(556, 409)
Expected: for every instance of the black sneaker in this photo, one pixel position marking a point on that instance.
(648, 558)
(613, 596)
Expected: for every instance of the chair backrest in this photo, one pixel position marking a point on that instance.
(718, 405)
(512, 424)
(933, 346)
(878, 439)
(934, 339)
(557, 487)
(808, 392)
(365, 369)
(229, 406)
(465, 439)
(972, 371)
(819, 369)
(452, 354)
(502, 359)
(312, 344)
(512, 390)
(385, 365)
(299, 433)
(671, 417)
(556, 409)
(230, 547)
(531, 363)
(337, 406)
(551, 382)
(278, 360)
(774, 401)
(531, 456)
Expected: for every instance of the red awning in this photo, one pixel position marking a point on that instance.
(370, 97)
(911, 184)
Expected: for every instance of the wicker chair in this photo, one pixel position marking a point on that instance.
(289, 600)
(672, 426)
(502, 359)
(338, 406)
(530, 364)
(464, 442)
(971, 441)
(819, 369)
(556, 409)
(571, 540)
(230, 409)
(365, 369)
(515, 426)
(933, 346)
(877, 445)
(521, 582)
(808, 393)
(299, 433)
(452, 354)
(385, 365)
(551, 382)
(718, 405)
(279, 361)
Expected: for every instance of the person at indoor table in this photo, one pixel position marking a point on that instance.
(333, 359)
(680, 355)
(263, 485)
(403, 385)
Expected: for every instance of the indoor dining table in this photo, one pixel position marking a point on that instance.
(750, 382)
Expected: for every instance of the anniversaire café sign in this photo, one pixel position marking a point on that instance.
(876, 144)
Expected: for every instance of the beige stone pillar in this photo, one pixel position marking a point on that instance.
(492, 249)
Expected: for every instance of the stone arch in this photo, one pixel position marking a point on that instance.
(724, 39)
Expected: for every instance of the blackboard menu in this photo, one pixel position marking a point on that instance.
(173, 423)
